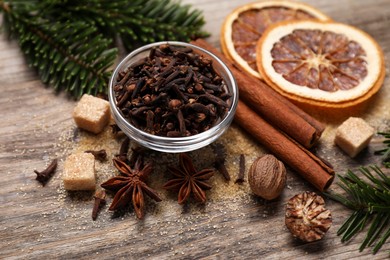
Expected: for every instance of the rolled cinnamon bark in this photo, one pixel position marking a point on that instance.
(309, 166)
(274, 108)
(311, 120)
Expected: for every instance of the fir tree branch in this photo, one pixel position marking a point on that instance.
(386, 151)
(71, 43)
(138, 22)
(369, 198)
(68, 55)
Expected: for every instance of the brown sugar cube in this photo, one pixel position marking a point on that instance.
(79, 172)
(353, 135)
(92, 113)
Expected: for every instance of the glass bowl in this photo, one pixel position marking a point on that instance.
(174, 144)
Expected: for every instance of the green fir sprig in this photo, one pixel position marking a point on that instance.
(73, 44)
(385, 152)
(369, 198)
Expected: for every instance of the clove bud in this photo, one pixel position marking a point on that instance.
(100, 201)
(46, 174)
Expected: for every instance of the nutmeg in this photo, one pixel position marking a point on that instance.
(306, 216)
(267, 177)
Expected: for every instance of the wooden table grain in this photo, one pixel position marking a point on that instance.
(37, 222)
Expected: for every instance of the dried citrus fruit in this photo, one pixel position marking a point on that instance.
(245, 26)
(324, 64)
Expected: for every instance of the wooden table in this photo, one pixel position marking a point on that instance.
(35, 222)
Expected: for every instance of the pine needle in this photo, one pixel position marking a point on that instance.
(72, 44)
(369, 198)
(386, 151)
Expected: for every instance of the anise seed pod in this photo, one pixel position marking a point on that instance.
(306, 216)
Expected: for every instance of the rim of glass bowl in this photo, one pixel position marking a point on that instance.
(175, 144)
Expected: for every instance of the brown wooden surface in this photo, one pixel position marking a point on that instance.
(37, 222)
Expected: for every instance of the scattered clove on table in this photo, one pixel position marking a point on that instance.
(241, 171)
(46, 174)
(220, 158)
(99, 202)
(124, 149)
(100, 155)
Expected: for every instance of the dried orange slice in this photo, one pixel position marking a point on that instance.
(323, 64)
(245, 26)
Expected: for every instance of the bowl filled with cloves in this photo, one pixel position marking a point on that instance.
(173, 96)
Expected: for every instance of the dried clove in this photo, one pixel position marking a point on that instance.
(137, 151)
(115, 129)
(123, 150)
(100, 201)
(220, 158)
(241, 172)
(166, 87)
(46, 174)
(100, 155)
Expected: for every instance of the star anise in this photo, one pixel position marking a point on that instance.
(188, 180)
(130, 186)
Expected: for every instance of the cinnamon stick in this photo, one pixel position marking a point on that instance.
(311, 120)
(270, 105)
(309, 166)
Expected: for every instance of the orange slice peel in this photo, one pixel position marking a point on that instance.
(321, 64)
(243, 28)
